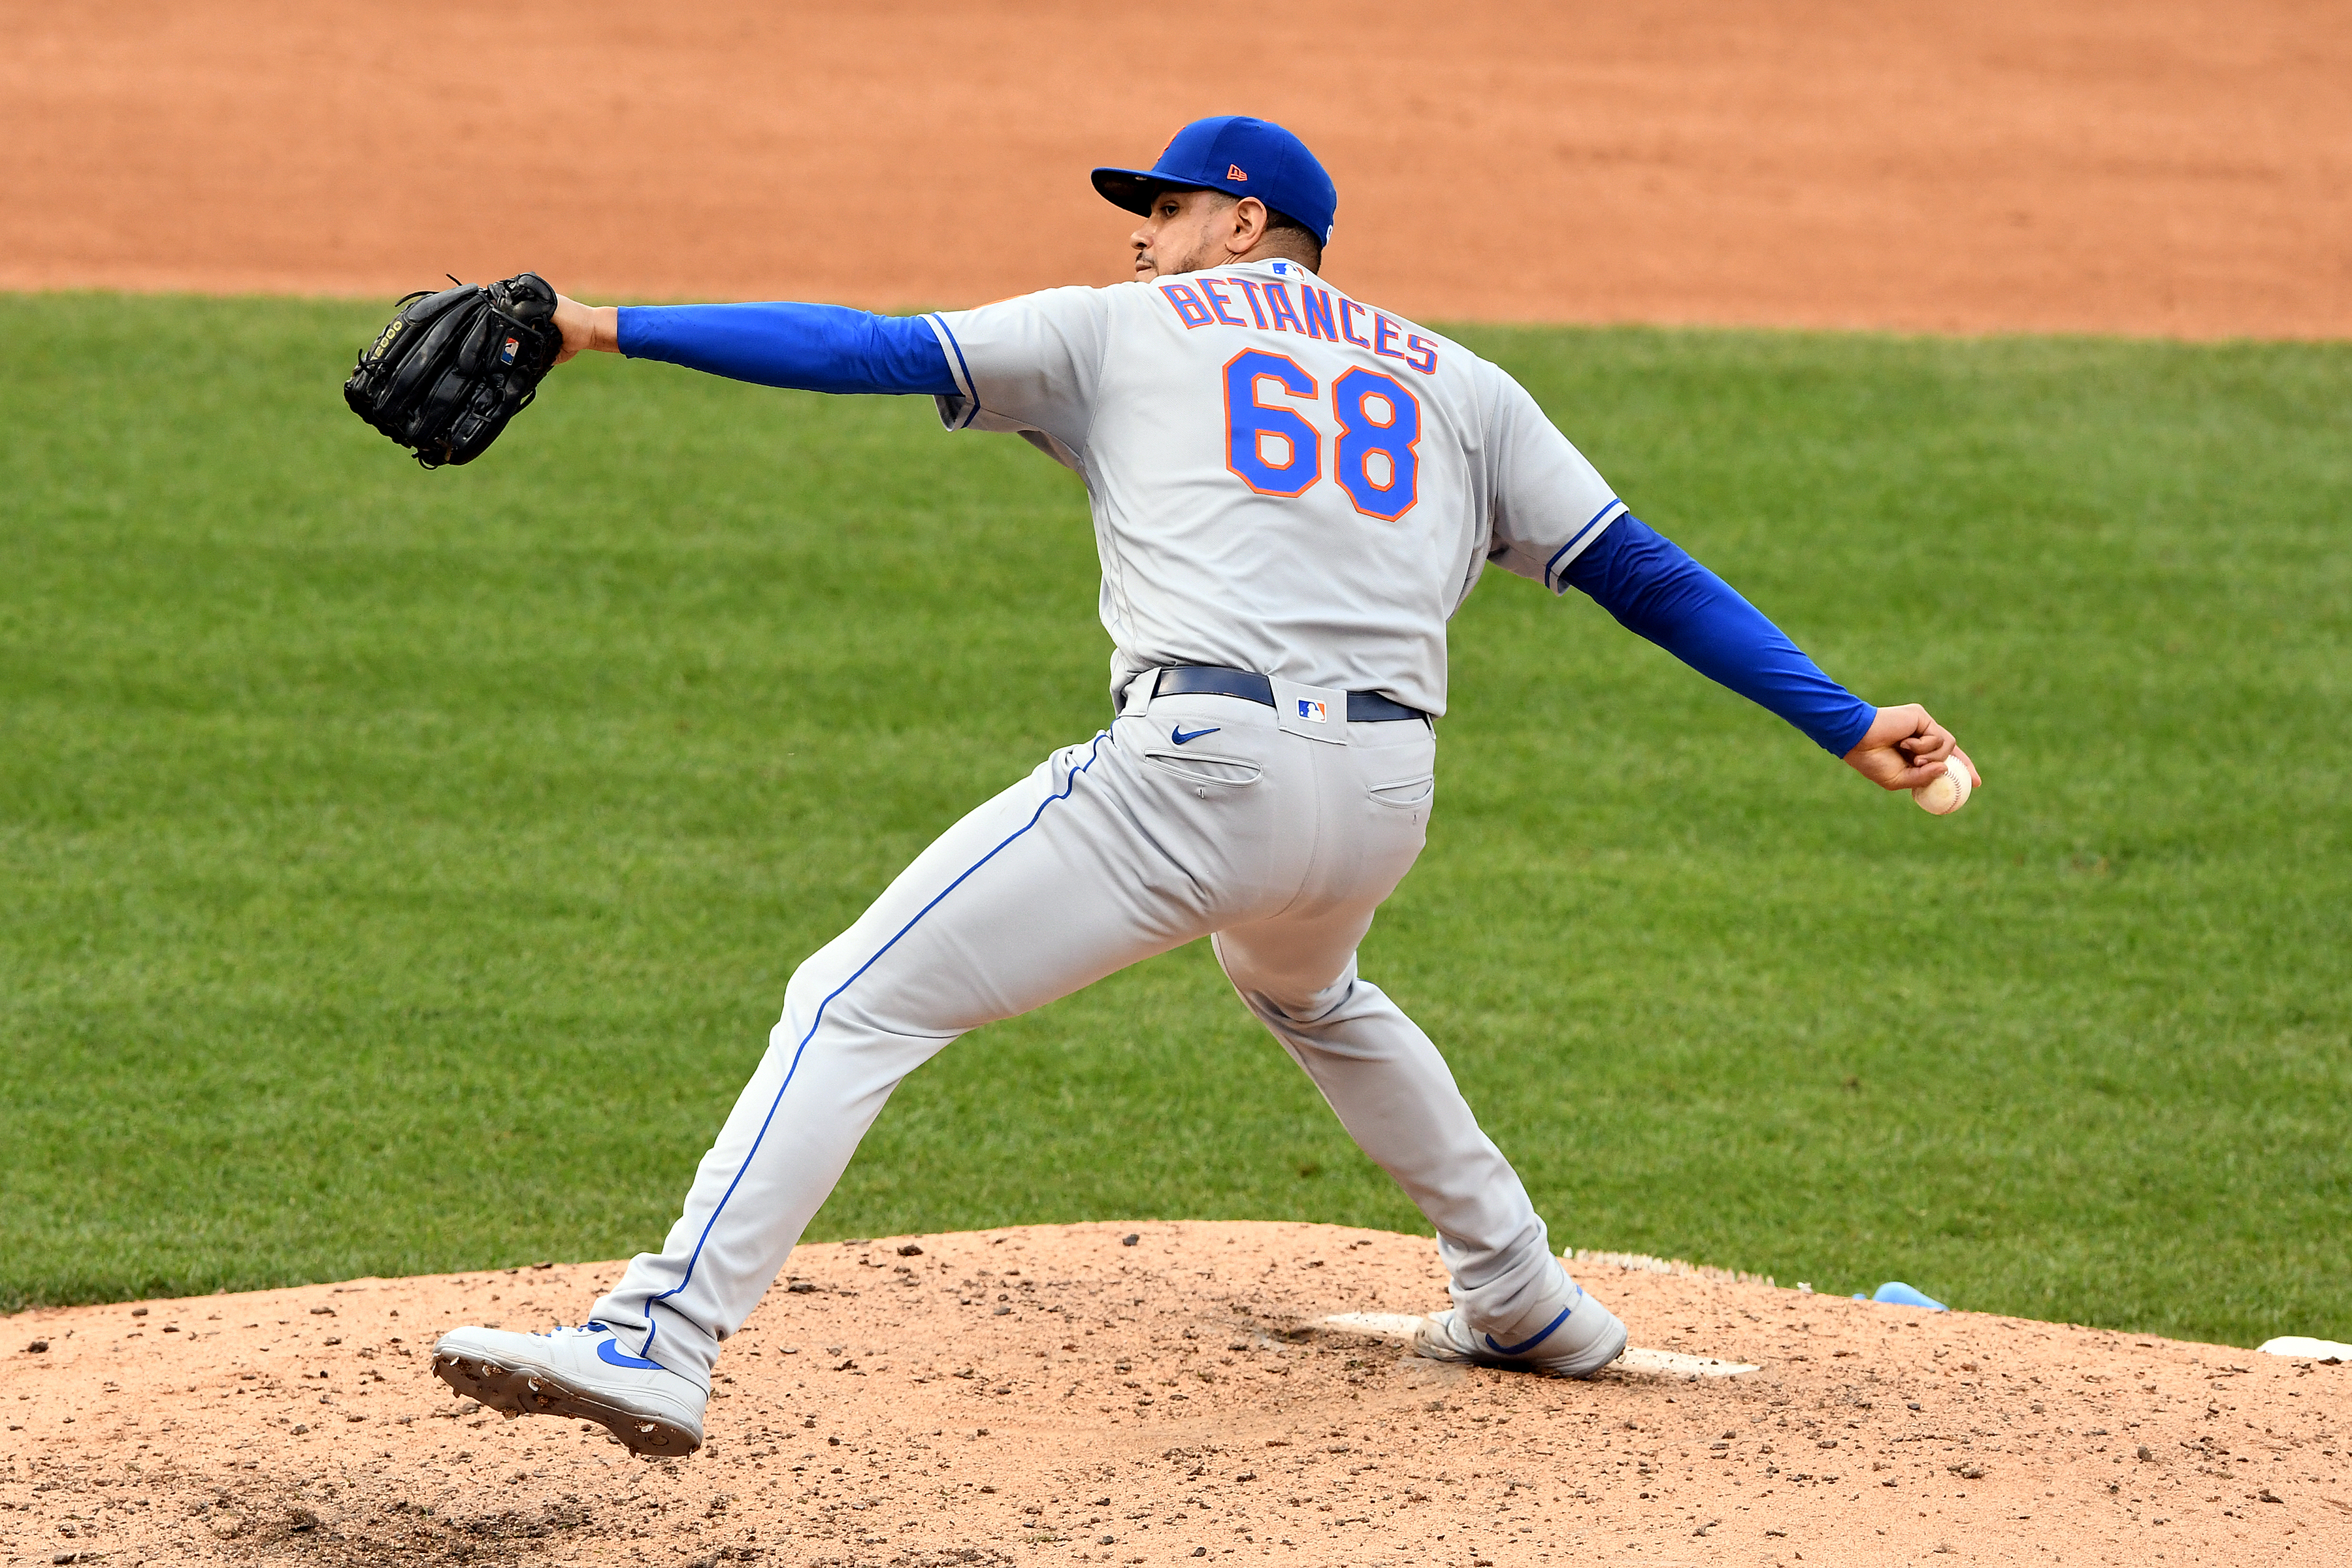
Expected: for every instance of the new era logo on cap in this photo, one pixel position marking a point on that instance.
(1207, 155)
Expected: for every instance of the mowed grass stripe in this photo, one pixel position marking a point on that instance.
(401, 870)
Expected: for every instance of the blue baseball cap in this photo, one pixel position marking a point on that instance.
(1239, 156)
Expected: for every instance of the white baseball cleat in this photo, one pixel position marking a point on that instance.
(580, 1372)
(1583, 1338)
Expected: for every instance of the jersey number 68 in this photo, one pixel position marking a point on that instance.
(1277, 451)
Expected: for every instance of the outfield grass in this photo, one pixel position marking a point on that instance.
(402, 869)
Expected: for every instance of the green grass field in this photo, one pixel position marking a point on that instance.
(401, 870)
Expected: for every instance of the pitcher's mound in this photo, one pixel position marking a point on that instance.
(1067, 1394)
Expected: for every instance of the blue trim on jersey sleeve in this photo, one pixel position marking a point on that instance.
(966, 388)
(1658, 592)
(1575, 539)
(809, 348)
(963, 371)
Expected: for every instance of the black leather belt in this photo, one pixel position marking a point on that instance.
(1214, 680)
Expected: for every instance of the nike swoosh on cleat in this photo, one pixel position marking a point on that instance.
(1525, 1345)
(1178, 735)
(611, 1354)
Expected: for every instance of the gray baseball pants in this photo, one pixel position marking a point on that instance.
(1255, 830)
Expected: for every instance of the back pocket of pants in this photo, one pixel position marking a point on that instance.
(1406, 793)
(1195, 769)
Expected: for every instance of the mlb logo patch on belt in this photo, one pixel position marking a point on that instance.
(1314, 712)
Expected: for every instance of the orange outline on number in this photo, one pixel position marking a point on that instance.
(1411, 448)
(1314, 394)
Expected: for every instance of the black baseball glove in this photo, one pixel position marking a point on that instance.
(452, 368)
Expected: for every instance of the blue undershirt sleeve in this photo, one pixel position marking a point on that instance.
(1656, 591)
(809, 348)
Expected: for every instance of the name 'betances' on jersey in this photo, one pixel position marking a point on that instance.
(1317, 312)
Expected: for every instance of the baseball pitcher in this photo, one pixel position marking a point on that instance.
(1292, 491)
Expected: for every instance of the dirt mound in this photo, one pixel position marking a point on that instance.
(2171, 167)
(1058, 1394)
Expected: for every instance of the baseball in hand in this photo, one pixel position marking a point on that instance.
(1948, 790)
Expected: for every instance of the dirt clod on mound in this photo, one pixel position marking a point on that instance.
(1054, 1394)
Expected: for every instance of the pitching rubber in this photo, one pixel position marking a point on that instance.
(513, 1391)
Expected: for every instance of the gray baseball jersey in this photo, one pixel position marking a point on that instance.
(1286, 481)
(1282, 479)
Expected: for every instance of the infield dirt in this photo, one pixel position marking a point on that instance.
(2173, 167)
(1050, 1394)
(1053, 1395)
